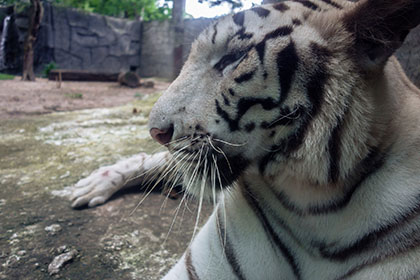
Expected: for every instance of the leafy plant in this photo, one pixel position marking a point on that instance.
(145, 9)
(47, 69)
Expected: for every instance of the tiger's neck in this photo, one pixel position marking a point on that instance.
(368, 191)
(335, 162)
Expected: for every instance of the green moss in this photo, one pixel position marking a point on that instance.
(74, 95)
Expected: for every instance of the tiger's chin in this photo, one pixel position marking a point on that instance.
(212, 177)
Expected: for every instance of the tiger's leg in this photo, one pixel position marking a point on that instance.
(99, 186)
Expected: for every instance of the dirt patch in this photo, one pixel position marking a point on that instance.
(46, 152)
(19, 98)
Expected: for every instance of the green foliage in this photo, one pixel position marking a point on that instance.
(47, 69)
(8, 2)
(19, 5)
(6, 77)
(146, 9)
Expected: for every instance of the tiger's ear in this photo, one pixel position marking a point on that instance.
(379, 28)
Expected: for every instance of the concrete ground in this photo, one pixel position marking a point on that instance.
(43, 153)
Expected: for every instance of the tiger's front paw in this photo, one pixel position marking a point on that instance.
(97, 188)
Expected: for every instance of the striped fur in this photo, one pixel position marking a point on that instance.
(299, 117)
(326, 189)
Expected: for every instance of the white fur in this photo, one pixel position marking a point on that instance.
(252, 233)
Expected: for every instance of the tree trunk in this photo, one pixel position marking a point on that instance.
(35, 17)
(178, 25)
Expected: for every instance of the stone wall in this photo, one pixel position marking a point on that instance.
(157, 46)
(156, 50)
(93, 42)
(78, 40)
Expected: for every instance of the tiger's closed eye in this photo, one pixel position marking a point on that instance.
(229, 59)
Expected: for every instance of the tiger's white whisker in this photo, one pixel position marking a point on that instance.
(228, 143)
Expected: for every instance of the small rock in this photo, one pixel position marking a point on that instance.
(62, 249)
(60, 260)
(148, 84)
(53, 229)
(65, 175)
(14, 241)
(12, 261)
(21, 253)
(129, 79)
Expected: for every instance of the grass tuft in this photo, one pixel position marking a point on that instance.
(6, 77)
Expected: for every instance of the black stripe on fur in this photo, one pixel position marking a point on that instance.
(332, 3)
(315, 94)
(281, 7)
(213, 38)
(245, 77)
(271, 234)
(307, 4)
(261, 12)
(239, 18)
(192, 273)
(227, 248)
(369, 165)
(279, 32)
(287, 65)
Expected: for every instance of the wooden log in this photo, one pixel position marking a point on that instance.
(82, 75)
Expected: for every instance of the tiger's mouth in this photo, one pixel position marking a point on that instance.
(205, 161)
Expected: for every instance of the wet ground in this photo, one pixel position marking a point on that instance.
(43, 153)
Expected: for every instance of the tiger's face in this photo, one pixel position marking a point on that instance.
(258, 91)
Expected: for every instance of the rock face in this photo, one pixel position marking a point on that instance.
(83, 41)
(89, 41)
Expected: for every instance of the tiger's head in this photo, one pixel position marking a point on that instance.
(294, 87)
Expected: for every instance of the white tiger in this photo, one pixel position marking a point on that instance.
(297, 115)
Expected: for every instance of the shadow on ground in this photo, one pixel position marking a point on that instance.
(114, 241)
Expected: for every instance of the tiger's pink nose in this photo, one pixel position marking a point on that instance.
(162, 136)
